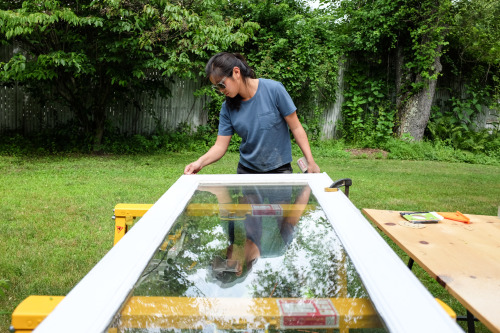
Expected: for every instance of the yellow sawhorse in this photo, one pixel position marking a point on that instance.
(184, 311)
(126, 213)
(194, 313)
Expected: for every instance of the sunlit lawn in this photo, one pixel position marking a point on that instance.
(56, 222)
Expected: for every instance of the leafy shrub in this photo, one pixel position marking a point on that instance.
(185, 139)
(434, 151)
(327, 148)
(367, 113)
(70, 140)
(464, 137)
(455, 124)
(62, 138)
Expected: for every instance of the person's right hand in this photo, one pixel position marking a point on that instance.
(192, 168)
(313, 168)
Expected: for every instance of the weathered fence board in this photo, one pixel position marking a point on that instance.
(332, 113)
(20, 112)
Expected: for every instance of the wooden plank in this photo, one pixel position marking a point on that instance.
(463, 258)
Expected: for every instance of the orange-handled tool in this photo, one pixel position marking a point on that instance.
(455, 217)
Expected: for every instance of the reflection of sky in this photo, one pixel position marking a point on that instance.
(207, 287)
(314, 265)
(306, 263)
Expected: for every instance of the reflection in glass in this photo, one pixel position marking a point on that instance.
(249, 258)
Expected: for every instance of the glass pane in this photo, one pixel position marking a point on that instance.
(252, 257)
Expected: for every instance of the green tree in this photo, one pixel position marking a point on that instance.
(89, 54)
(476, 32)
(418, 59)
(407, 41)
(295, 46)
(474, 50)
(411, 34)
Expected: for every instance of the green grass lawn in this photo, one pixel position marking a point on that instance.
(56, 212)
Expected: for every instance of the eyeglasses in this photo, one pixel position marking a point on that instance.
(220, 85)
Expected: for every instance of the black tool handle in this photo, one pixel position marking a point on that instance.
(346, 182)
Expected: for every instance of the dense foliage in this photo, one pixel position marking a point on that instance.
(396, 54)
(401, 52)
(88, 54)
(293, 45)
(184, 140)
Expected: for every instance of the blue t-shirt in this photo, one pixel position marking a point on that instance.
(265, 138)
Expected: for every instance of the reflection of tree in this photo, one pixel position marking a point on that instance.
(314, 265)
(163, 281)
(205, 238)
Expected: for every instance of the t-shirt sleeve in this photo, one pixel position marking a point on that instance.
(284, 101)
(225, 126)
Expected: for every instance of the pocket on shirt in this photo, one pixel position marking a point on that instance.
(268, 119)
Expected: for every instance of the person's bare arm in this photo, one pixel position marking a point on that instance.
(214, 154)
(301, 138)
(300, 205)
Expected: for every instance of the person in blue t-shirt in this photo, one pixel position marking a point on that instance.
(261, 112)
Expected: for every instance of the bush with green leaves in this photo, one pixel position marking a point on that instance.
(367, 113)
(89, 54)
(435, 151)
(455, 124)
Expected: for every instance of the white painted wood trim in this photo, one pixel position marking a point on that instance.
(402, 301)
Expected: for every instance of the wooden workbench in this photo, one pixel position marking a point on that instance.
(463, 258)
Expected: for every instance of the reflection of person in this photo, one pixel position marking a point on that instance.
(261, 112)
(265, 238)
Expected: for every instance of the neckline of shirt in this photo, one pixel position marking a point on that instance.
(256, 92)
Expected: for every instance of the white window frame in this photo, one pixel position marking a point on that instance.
(401, 300)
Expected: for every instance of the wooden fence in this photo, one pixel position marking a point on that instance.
(20, 112)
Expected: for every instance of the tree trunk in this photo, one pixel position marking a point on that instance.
(99, 115)
(399, 75)
(414, 112)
